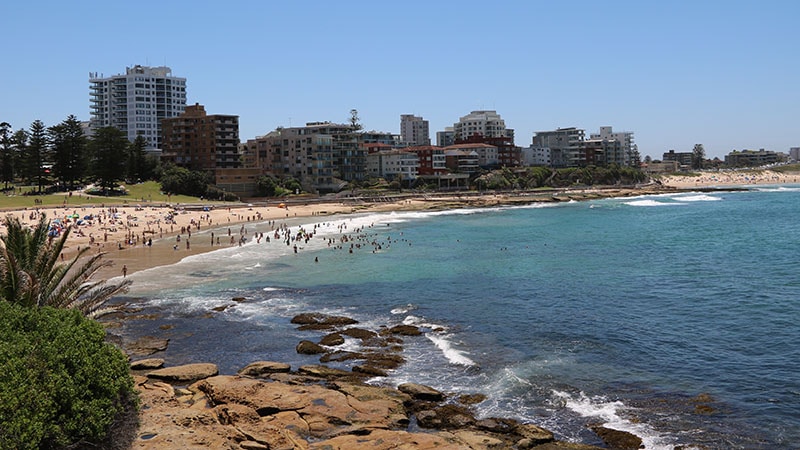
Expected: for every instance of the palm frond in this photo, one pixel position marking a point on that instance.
(31, 275)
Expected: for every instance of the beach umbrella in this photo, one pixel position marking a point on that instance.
(282, 205)
(76, 216)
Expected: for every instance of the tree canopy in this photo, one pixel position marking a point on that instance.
(109, 155)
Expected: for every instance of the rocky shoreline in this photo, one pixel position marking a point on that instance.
(267, 405)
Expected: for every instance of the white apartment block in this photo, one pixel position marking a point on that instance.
(536, 156)
(137, 101)
(626, 145)
(414, 130)
(393, 163)
(488, 155)
(482, 123)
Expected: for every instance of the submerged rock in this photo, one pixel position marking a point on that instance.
(404, 330)
(617, 439)
(332, 340)
(309, 348)
(147, 345)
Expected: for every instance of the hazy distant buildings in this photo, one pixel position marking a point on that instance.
(684, 159)
(198, 141)
(414, 131)
(617, 148)
(565, 144)
(137, 101)
(536, 156)
(481, 123)
(393, 165)
(746, 158)
(488, 155)
(446, 137)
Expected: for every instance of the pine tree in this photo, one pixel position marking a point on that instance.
(6, 154)
(109, 156)
(69, 151)
(35, 154)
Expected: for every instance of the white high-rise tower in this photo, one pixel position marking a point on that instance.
(137, 101)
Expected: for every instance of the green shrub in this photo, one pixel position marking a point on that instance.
(61, 384)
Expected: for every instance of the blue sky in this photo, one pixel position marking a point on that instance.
(721, 73)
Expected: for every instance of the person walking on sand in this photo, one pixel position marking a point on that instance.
(124, 271)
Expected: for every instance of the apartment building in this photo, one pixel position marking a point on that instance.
(620, 153)
(198, 141)
(137, 101)
(414, 131)
(305, 153)
(565, 144)
(488, 155)
(431, 159)
(391, 164)
(481, 123)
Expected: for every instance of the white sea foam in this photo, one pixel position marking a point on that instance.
(453, 355)
(404, 309)
(698, 198)
(777, 189)
(650, 203)
(611, 413)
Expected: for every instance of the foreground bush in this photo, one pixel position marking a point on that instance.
(61, 384)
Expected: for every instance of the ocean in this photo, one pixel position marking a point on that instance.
(673, 317)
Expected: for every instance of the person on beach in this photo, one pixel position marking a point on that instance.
(124, 271)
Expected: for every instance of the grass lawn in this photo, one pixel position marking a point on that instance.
(142, 193)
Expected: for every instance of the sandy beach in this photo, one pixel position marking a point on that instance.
(729, 178)
(138, 237)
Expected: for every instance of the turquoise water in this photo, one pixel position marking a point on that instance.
(616, 311)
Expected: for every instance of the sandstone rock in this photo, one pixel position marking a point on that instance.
(340, 356)
(185, 373)
(332, 339)
(471, 399)
(446, 417)
(359, 333)
(370, 371)
(497, 425)
(421, 392)
(253, 445)
(617, 439)
(322, 319)
(309, 348)
(391, 440)
(147, 345)
(147, 364)
(535, 434)
(384, 361)
(405, 330)
(259, 369)
(478, 440)
(323, 371)
(560, 445)
(307, 318)
(326, 411)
